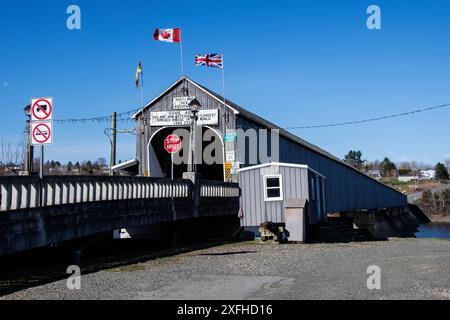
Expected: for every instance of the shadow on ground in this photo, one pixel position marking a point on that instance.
(46, 265)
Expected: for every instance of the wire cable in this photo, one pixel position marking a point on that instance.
(339, 124)
(125, 117)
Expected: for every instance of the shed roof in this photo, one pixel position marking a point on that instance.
(281, 164)
(125, 165)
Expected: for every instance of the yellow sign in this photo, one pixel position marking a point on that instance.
(228, 167)
(146, 173)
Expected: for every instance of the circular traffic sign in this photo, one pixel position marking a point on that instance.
(42, 109)
(42, 133)
(172, 143)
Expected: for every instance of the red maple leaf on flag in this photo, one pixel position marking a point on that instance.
(166, 35)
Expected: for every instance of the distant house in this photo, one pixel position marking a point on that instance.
(376, 174)
(407, 178)
(427, 174)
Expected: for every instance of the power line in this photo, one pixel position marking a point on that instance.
(122, 117)
(339, 124)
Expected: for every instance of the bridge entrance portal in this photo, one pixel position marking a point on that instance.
(160, 163)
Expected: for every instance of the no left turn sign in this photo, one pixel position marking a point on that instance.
(41, 109)
(41, 133)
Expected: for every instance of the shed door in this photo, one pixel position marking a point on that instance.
(295, 223)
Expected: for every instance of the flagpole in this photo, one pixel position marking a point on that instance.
(181, 56)
(142, 85)
(223, 82)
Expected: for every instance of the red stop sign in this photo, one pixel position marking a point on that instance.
(172, 143)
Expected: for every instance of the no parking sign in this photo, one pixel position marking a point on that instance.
(41, 133)
(41, 121)
(41, 109)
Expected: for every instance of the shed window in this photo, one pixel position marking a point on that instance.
(273, 190)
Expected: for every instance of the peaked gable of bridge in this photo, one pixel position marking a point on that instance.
(190, 84)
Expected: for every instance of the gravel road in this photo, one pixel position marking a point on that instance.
(410, 269)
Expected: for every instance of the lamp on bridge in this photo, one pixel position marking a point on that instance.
(28, 161)
(194, 106)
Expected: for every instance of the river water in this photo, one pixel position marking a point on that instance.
(434, 230)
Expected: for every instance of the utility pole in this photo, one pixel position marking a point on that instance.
(112, 161)
(41, 167)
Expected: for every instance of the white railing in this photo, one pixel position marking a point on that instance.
(214, 189)
(29, 192)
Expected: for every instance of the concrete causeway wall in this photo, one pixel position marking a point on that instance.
(75, 207)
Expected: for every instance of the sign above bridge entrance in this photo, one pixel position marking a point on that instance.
(183, 118)
(182, 103)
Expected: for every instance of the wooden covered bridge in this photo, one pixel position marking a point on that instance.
(346, 191)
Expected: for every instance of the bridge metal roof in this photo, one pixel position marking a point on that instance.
(237, 109)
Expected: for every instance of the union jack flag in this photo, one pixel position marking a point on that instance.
(209, 60)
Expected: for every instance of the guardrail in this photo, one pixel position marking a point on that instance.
(31, 192)
(219, 189)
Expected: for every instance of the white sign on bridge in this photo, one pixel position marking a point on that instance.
(41, 133)
(41, 109)
(182, 103)
(183, 118)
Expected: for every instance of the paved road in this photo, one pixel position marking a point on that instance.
(410, 269)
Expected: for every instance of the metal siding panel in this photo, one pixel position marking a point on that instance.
(298, 183)
(249, 198)
(254, 187)
(260, 185)
(292, 176)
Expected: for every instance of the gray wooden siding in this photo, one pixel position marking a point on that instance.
(256, 210)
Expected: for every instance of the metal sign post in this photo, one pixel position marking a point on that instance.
(41, 131)
(41, 166)
(172, 144)
(171, 158)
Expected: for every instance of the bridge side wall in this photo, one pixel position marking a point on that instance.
(33, 228)
(115, 203)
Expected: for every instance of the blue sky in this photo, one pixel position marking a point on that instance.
(293, 62)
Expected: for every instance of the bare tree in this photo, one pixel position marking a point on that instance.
(11, 154)
(447, 163)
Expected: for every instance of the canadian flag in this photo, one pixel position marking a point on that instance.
(168, 35)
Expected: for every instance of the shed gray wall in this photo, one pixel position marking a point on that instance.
(256, 210)
(346, 188)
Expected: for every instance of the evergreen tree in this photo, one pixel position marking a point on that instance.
(354, 158)
(441, 172)
(387, 167)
